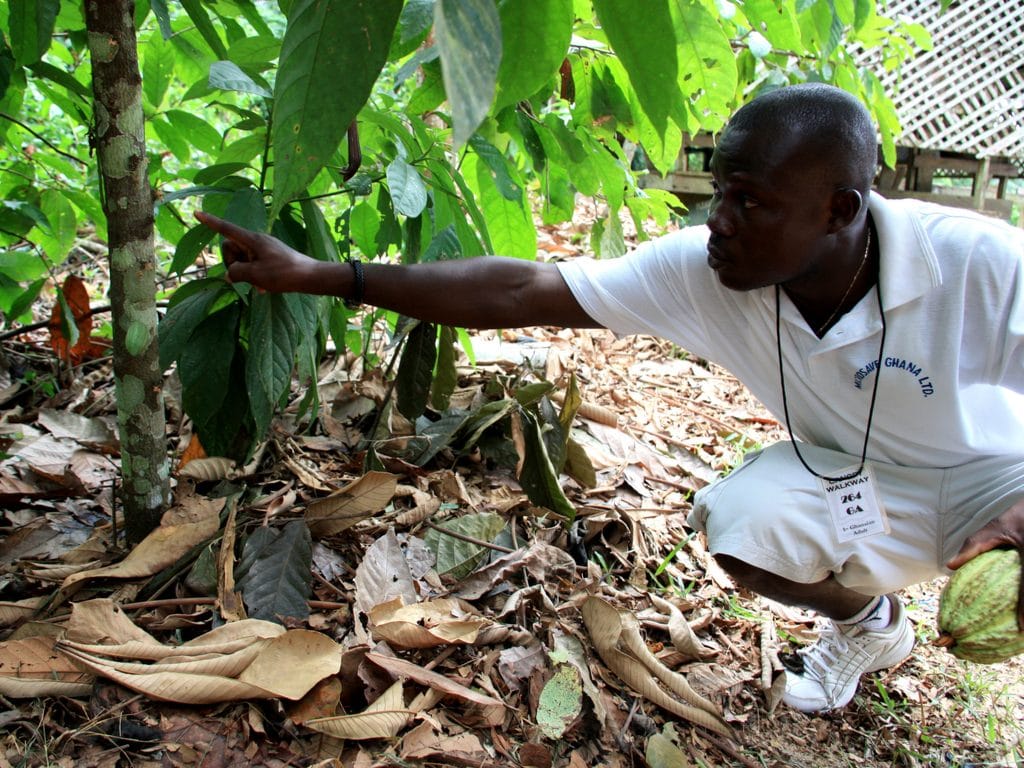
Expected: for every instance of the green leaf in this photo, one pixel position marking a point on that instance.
(21, 266)
(66, 80)
(446, 376)
(444, 246)
(189, 247)
(163, 17)
(486, 416)
(707, 64)
(276, 572)
(322, 245)
(459, 558)
(201, 134)
(60, 236)
(271, 355)
(535, 37)
(258, 52)
(539, 477)
(246, 209)
(415, 370)
(157, 69)
(561, 702)
(199, 16)
(509, 222)
(776, 21)
(182, 318)
(438, 433)
(228, 76)
(30, 23)
(408, 192)
(468, 33)
(23, 302)
(204, 368)
(501, 175)
(647, 49)
(312, 113)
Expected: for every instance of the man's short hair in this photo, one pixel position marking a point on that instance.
(827, 119)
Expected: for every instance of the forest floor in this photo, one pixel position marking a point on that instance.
(521, 659)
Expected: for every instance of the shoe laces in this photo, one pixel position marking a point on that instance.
(831, 652)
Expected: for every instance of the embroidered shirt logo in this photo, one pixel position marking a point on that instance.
(900, 364)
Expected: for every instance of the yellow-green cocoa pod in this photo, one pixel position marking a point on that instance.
(978, 608)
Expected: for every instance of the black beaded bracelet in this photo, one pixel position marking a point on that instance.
(359, 284)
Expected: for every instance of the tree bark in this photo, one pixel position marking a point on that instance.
(120, 142)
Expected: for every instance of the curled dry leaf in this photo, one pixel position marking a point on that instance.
(192, 522)
(31, 668)
(383, 719)
(617, 640)
(13, 612)
(356, 501)
(681, 632)
(208, 469)
(491, 710)
(426, 625)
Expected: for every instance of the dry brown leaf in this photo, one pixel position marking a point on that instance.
(208, 469)
(191, 522)
(679, 630)
(31, 667)
(102, 621)
(356, 501)
(383, 719)
(291, 664)
(616, 638)
(426, 625)
(491, 709)
(287, 666)
(383, 575)
(11, 613)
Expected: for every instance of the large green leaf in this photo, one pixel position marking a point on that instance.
(647, 48)
(408, 192)
(58, 239)
(468, 32)
(182, 318)
(446, 376)
(332, 53)
(199, 16)
(539, 477)
(707, 64)
(274, 572)
(271, 354)
(776, 21)
(509, 223)
(535, 37)
(204, 368)
(157, 68)
(30, 23)
(416, 369)
(457, 557)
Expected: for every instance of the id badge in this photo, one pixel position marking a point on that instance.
(855, 505)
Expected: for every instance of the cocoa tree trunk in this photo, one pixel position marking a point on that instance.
(119, 136)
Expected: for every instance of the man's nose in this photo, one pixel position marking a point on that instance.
(719, 220)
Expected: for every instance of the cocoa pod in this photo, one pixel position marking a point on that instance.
(978, 608)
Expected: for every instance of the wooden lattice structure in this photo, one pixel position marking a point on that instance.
(961, 104)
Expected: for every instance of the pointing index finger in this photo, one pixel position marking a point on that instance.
(231, 231)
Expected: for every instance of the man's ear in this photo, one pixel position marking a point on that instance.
(846, 204)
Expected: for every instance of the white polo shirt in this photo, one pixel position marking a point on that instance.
(952, 371)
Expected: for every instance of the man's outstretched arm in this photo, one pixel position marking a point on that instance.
(492, 292)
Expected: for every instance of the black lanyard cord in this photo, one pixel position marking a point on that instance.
(874, 391)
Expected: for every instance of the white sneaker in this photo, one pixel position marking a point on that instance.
(833, 666)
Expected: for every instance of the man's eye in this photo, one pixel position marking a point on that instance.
(748, 201)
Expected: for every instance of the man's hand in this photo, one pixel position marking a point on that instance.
(1007, 529)
(266, 262)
